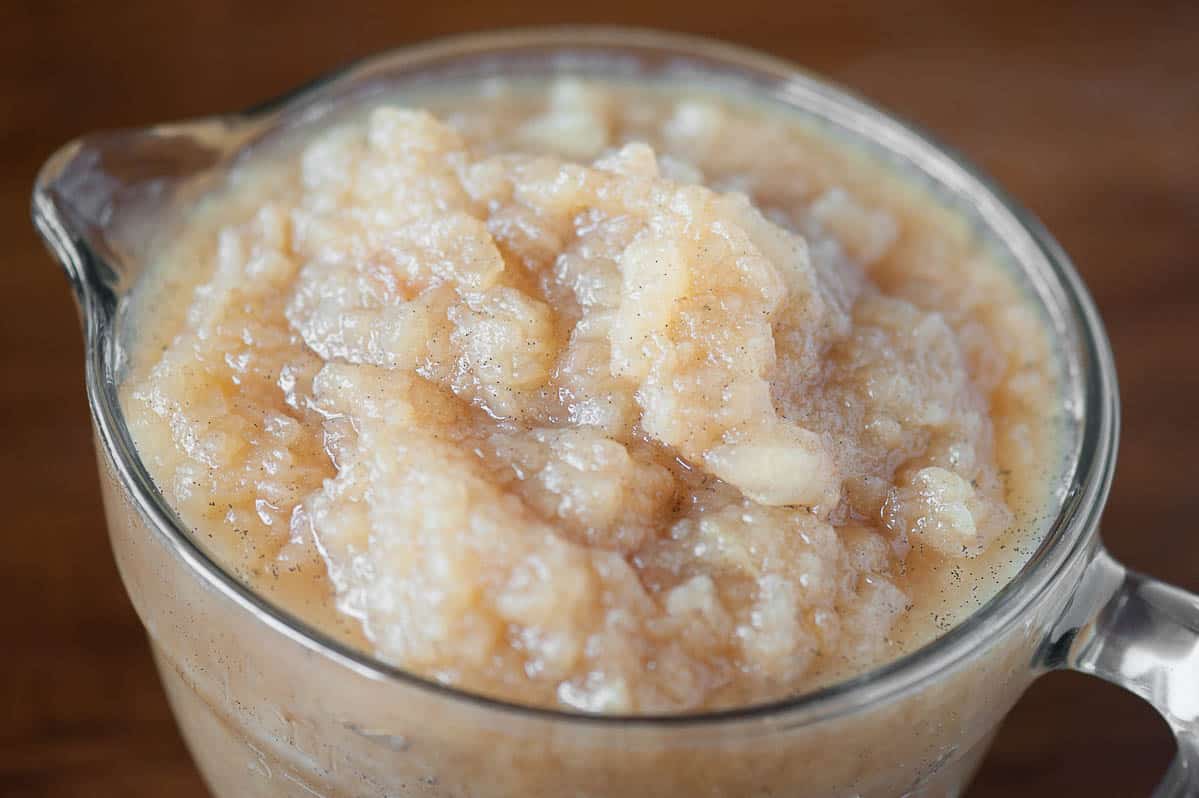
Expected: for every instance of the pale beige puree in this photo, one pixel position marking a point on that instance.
(615, 398)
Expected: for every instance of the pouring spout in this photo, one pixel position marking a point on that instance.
(60, 233)
(98, 200)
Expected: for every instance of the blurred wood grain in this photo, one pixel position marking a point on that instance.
(1089, 113)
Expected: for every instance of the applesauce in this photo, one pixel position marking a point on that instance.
(618, 398)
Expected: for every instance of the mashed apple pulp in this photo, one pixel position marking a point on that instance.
(614, 397)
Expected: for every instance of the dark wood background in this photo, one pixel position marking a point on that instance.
(1087, 112)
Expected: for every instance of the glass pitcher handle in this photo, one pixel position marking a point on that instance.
(1142, 635)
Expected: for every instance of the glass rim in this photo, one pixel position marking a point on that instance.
(1066, 539)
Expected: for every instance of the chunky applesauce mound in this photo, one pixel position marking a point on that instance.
(562, 423)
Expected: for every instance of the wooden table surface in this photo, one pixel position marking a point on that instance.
(1089, 115)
